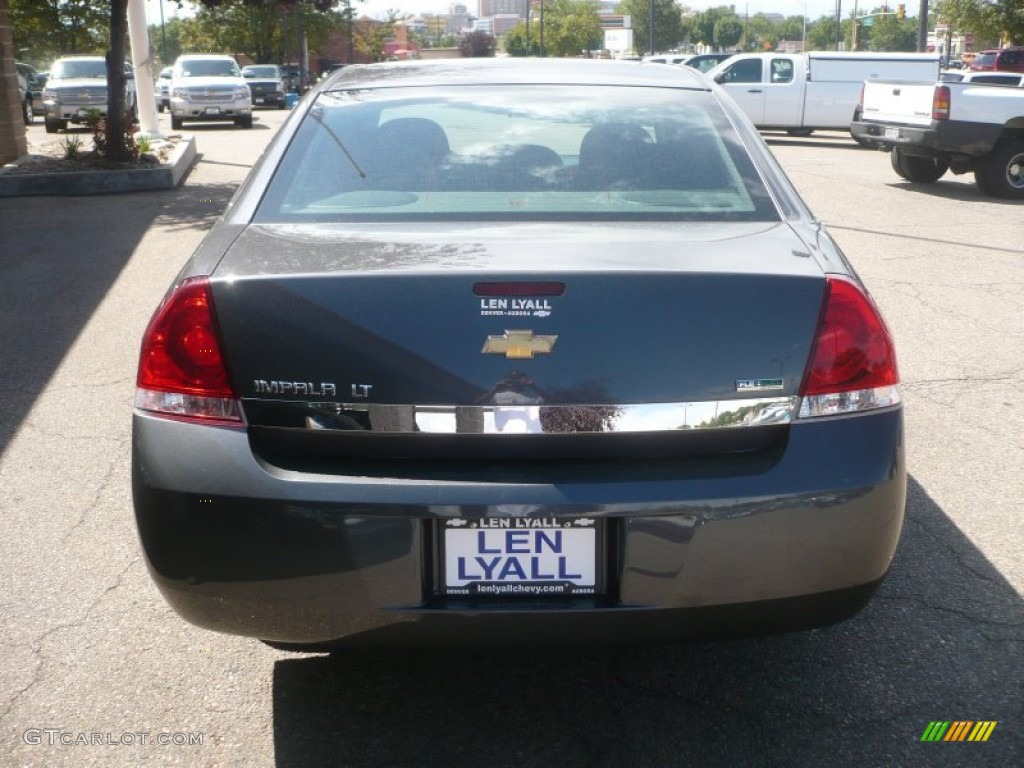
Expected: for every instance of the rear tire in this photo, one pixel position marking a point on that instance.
(801, 132)
(923, 170)
(176, 123)
(1001, 173)
(27, 112)
(244, 122)
(52, 126)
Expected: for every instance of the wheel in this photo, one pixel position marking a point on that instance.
(924, 170)
(160, 107)
(52, 126)
(802, 132)
(244, 122)
(1001, 173)
(281, 104)
(176, 123)
(26, 112)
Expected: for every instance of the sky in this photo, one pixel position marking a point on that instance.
(379, 8)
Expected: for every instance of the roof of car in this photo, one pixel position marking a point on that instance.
(515, 71)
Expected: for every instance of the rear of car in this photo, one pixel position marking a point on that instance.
(516, 352)
(209, 87)
(999, 60)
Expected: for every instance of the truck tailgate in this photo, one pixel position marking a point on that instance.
(898, 102)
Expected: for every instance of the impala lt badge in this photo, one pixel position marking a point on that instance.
(519, 345)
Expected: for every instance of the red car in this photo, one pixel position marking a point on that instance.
(1000, 59)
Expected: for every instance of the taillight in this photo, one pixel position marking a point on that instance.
(181, 367)
(853, 363)
(940, 103)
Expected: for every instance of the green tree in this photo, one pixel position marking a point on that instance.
(991, 21)
(761, 33)
(728, 31)
(702, 25)
(821, 34)
(668, 25)
(45, 29)
(887, 33)
(570, 27)
(518, 43)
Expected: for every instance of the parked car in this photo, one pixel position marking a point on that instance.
(666, 58)
(266, 84)
(163, 89)
(705, 61)
(1000, 59)
(30, 88)
(982, 77)
(516, 351)
(77, 86)
(209, 87)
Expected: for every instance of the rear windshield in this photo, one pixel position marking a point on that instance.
(984, 61)
(516, 153)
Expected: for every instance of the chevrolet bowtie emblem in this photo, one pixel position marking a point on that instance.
(518, 345)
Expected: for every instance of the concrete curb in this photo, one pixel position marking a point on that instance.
(100, 182)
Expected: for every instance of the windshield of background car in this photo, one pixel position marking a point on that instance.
(71, 68)
(516, 152)
(208, 68)
(261, 71)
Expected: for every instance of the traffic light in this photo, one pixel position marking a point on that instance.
(901, 11)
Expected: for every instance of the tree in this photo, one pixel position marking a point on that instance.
(571, 27)
(888, 33)
(477, 44)
(988, 20)
(668, 26)
(702, 26)
(45, 29)
(728, 31)
(516, 40)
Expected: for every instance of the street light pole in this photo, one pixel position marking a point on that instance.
(839, 20)
(651, 24)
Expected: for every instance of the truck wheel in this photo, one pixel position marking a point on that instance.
(1001, 173)
(176, 123)
(802, 132)
(924, 170)
(26, 111)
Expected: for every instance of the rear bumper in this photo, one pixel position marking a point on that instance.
(239, 547)
(938, 138)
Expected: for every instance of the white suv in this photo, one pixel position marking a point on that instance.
(209, 87)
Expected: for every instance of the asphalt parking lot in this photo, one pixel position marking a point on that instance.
(98, 671)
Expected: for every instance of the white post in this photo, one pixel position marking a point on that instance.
(142, 63)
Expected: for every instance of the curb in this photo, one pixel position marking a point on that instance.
(100, 182)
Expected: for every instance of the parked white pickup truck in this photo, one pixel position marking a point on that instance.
(801, 92)
(930, 128)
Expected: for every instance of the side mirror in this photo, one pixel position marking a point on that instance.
(719, 78)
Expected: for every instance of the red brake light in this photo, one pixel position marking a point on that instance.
(852, 347)
(181, 367)
(940, 103)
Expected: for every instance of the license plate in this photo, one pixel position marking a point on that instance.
(892, 133)
(509, 556)
(213, 110)
(258, 100)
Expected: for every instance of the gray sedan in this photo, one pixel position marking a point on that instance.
(498, 351)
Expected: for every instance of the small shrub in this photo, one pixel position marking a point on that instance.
(72, 148)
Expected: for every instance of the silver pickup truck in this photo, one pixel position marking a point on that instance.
(930, 128)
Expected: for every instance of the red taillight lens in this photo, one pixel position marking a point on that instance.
(181, 367)
(852, 348)
(940, 103)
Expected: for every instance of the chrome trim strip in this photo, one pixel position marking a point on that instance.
(530, 417)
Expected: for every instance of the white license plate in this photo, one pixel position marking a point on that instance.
(892, 133)
(258, 100)
(509, 556)
(213, 110)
